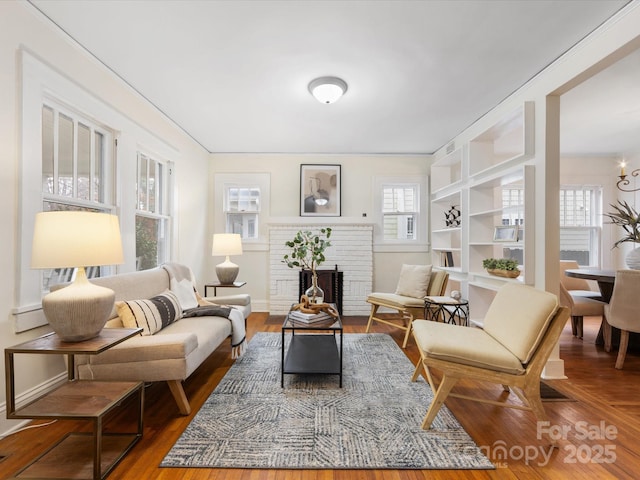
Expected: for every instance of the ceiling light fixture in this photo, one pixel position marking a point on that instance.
(327, 89)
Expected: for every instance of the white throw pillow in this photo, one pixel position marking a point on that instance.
(414, 281)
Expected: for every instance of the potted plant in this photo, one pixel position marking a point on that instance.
(502, 267)
(307, 251)
(626, 216)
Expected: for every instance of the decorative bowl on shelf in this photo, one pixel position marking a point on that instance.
(504, 273)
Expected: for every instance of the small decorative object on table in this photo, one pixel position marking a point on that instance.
(309, 312)
(456, 295)
(307, 251)
(502, 267)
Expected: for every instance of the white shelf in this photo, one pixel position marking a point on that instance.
(473, 177)
(447, 230)
(507, 142)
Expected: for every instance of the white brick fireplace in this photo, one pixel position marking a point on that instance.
(351, 250)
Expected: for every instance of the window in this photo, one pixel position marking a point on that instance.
(580, 227)
(152, 212)
(400, 209)
(75, 159)
(76, 166)
(513, 206)
(241, 208)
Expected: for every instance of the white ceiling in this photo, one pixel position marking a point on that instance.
(234, 74)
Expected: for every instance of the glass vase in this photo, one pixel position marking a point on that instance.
(314, 293)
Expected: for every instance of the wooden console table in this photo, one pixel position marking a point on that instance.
(86, 455)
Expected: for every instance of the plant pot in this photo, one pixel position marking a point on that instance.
(633, 259)
(504, 273)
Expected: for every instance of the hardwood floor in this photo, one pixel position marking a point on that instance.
(601, 421)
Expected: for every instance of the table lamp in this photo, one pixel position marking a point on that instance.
(226, 244)
(77, 239)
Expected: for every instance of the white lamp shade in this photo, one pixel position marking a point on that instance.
(76, 239)
(225, 244)
(327, 89)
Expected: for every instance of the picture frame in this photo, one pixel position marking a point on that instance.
(505, 233)
(320, 190)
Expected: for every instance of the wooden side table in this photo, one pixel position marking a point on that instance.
(86, 455)
(217, 285)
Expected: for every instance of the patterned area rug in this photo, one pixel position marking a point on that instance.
(373, 422)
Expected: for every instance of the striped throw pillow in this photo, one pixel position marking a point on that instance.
(152, 315)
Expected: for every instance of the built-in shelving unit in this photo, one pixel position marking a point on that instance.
(475, 177)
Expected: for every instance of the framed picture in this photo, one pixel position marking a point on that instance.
(320, 190)
(505, 233)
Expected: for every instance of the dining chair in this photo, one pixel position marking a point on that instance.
(578, 287)
(580, 307)
(622, 311)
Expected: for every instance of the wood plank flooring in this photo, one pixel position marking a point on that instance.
(601, 423)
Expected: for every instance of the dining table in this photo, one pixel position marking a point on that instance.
(606, 280)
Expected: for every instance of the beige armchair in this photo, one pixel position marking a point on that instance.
(416, 282)
(580, 307)
(622, 311)
(519, 332)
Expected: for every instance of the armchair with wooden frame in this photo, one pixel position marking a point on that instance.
(411, 306)
(520, 329)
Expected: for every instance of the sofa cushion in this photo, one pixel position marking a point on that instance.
(449, 342)
(152, 315)
(414, 281)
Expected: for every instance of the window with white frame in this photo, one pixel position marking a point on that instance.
(580, 223)
(152, 212)
(242, 209)
(400, 211)
(77, 171)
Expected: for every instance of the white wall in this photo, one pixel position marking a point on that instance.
(22, 27)
(358, 174)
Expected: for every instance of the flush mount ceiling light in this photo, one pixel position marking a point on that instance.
(327, 89)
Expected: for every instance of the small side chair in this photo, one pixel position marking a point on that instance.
(415, 283)
(520, 329)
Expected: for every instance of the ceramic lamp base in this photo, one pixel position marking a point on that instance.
(78, 312)
(227, 272)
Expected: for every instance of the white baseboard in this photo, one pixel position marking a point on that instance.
(10, 426)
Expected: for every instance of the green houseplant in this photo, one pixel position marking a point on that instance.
(625, 216)
(502, 267)
(307, 251)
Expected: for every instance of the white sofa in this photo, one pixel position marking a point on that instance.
(172, 353)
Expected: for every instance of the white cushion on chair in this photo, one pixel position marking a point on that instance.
(397, 301)
(414, 280)
(452, 343)
(534, 312)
